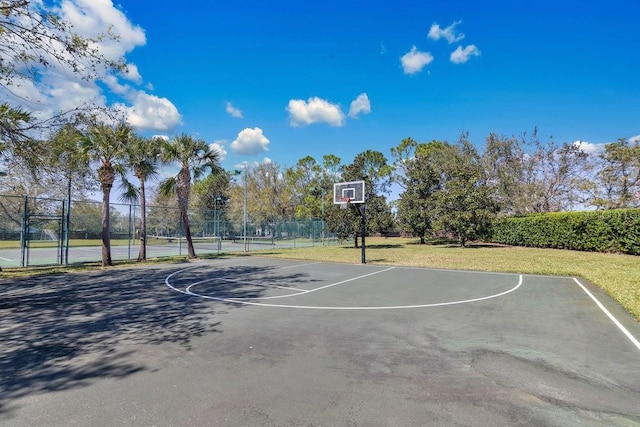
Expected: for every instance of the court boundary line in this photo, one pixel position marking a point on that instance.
(615, 321)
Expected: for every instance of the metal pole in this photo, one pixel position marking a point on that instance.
(129, 234)
(67, 226)
(245, 212)
(61, 232)
(363, 231)
(323, 216)
(24, 232)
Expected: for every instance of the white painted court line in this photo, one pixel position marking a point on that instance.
(188, 291)
(297, 265)
(5, 259)
(302, 292)
(613, 319)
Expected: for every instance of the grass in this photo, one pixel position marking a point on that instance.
(617, 275)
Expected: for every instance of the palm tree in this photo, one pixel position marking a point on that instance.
(195, 158)
(105, 145)
(141, 156)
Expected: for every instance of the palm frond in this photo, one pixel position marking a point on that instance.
(168, 186)
(130, 193)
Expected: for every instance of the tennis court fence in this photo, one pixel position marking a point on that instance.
(38, 231)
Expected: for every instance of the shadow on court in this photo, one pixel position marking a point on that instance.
(322, 344)
(65, 331)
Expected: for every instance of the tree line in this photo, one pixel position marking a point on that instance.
(459, 190)
(451, 189)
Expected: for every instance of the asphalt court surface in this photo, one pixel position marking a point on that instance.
(357, 287)
(259, 341)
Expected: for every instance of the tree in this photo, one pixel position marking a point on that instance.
(163, 217)
(415, 172)
(66, 159)
(530, 176)
(305, 181)
(464, 204)
(510, 172)
(271, 196)
(33, 39)
(560, 176)
(14, 124)
(619, 175)
(105, 145)
(86, 220)
(195, 158)
(141, 156)
(211, 200)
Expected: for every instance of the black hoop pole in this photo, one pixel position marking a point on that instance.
(363, 231)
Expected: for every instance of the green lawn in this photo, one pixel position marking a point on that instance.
(617, 275)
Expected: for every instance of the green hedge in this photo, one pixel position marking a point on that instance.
(597, 231)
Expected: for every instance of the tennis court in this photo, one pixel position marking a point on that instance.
(257, 341)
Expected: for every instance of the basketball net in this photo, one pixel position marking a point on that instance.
(346, 202)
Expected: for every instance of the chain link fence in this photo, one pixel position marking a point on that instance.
(37, 232)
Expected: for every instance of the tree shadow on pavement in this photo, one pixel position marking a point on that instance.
(70, 330)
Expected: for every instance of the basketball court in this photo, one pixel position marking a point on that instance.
(256, 341)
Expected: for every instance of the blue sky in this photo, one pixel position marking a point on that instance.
(276, 79)
(569, 68)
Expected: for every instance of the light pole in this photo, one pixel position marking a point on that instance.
(216, 216)
(244, 214)
(244, 209)
(315, 190)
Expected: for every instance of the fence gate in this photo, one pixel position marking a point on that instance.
(43, 231)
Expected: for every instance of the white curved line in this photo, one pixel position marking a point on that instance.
(311, 307)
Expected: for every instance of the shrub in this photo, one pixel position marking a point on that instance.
(598, 231)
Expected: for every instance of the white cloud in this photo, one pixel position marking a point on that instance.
(115, 86)
(460, 55)
(150, 112)
(59, 88)
(244, 165)
(360, 105)
(449, 33)
(69, 94)
(218, 147)
(634, 139)
(250, 142)
(414, 60)
(233, 111)
(132, 73)
(588, 147)
(315, 110)
(91, 18)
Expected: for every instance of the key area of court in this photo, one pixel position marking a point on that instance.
(245, 341)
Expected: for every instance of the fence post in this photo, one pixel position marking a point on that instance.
(67, 225)
(23, 232)
(61, 233)
(129, 236)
